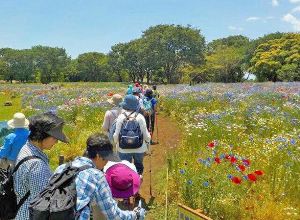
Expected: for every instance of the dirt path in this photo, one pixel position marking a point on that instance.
(168, 137)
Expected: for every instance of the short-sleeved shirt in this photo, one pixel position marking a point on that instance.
(33, 175)
(110, 117)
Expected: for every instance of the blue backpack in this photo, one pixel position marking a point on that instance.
(147, 106)
(130, 136)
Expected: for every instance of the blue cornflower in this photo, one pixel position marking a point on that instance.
(182, 171)
(206, 183)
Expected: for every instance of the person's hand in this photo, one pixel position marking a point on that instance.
(140, 213)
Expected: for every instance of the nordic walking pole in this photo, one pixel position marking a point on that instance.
(150, 163)
(156, 123)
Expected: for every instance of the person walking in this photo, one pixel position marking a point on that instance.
(14, 141)
(110, 116)
(31, 177)
(91, 184)
(131, 135)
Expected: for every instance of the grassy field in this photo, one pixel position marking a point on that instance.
(7, 112)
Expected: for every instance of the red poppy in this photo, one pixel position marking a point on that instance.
(251, 177)
(110, 94)
(218, 160)
(259, 172)
(236, 180)
(227, 157)
(232, 159)
(211, 144)
(246, 162)
(242, 167)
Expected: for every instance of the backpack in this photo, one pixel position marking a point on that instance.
(112, 129)
(130, 136)
(8, 200)
(147, 106)
(58, 199)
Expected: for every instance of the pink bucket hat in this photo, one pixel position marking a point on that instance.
(123, 181)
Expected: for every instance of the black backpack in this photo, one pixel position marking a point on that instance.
(58, 200)
(130, 136)
(8, 200)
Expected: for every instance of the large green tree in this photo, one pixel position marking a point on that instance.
(277, 59)
(172, 47)
(93, 66)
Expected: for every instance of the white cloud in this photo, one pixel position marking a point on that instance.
(294, 1)
(297, 9)
(276, 3)
(289, 18)
(233, 28)
(269, 17)
(253, 19)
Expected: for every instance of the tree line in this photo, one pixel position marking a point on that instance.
(163, 54)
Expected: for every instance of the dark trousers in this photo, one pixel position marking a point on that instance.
(152, 119)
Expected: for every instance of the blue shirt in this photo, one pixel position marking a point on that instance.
(91, 185)
(33, 175)
(13, 143)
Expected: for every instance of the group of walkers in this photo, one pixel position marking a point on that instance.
(111, 166)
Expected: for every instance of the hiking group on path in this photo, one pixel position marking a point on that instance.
(88, 187)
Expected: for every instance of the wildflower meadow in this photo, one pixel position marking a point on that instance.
(239, 157)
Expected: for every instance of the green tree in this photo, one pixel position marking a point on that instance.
(173, 47)
(277, 59)
(93, 66)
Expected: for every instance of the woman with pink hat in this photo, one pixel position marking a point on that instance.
(123, 179)
(14, 141)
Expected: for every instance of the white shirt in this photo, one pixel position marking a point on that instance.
(146, 135)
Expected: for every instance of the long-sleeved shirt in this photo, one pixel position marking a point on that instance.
(109, 118)
(13, 143)
(146, 135)
(33, 175)
(91, 185)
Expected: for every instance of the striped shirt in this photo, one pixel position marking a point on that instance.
(91, 186)
(32, 175)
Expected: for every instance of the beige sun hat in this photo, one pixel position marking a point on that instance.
(116, 99)
(19, 121)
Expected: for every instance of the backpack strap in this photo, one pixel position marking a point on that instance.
(127, 116)
(24, 198)
(113, 114)
(24, 160)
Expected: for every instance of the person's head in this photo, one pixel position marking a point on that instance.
(19, 121)
(46, 130)
(130, 103)
(136, 91)
(154, 87)
(148, 93)
(115, 100)
(100, 150)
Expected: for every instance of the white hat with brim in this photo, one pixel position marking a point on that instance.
(19, 121)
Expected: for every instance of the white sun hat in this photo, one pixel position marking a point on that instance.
(19, 121)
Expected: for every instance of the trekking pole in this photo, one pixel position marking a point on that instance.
(156, 123)
(150, 162)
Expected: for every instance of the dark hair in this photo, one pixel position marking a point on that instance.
(154, 87)
(148, 93)
(40, 124)
(98, 144)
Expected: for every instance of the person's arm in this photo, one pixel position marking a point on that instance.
(118, 128)
(39, 176)
(106, 125)
(7, 146)
(108, 205)
(143, 126)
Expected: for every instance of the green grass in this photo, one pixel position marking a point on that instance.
(7, 112)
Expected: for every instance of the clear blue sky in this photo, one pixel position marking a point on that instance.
(88, 25)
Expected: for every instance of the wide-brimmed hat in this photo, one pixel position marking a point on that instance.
(57, 132)
(19, 121)
(116, 99)
(123, 181)
(130, 103)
